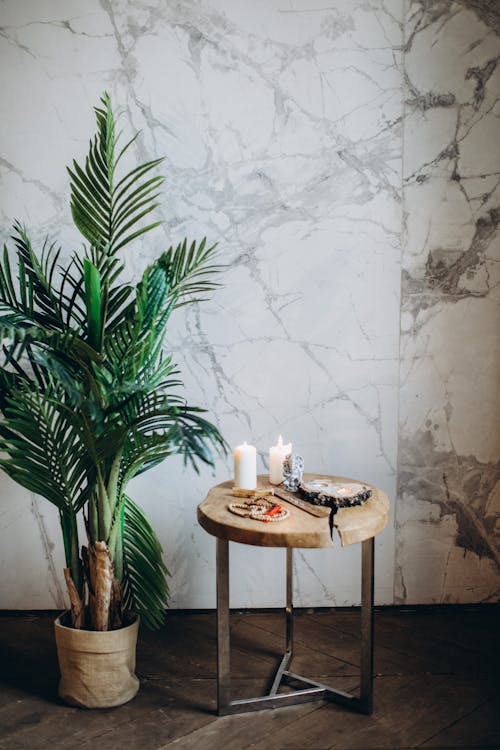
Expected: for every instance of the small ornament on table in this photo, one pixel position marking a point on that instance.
(335, 494)
(260, 509)
(293, 467)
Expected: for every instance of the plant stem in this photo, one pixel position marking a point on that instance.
(118, 556)
(115, 540)
(76, 564)
(71, 548)
(114, 476)
(93, 524)
(103, 510)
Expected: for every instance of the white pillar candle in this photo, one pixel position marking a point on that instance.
(245, 467)
(277, 455)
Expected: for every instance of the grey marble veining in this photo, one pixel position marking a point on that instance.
(449, 441)
(342, 155)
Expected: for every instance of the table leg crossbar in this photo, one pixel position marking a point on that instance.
(309, 690)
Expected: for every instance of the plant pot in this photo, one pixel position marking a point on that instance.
(97, 667)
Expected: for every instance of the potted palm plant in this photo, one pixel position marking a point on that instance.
(88, 400)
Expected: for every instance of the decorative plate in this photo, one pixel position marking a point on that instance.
(334, 494)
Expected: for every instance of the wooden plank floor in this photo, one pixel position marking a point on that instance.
(436, 684)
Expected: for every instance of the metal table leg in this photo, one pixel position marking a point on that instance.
(367, 585)
(312, 690)
(223, 640)
(287, 657)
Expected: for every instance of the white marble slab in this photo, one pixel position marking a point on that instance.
(282, 128)
(449, 441)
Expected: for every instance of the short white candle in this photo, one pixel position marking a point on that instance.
(245, 467)
(277, 455)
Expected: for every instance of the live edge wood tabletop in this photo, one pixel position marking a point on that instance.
(300, 529)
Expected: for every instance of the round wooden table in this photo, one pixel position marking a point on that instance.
(312, 527)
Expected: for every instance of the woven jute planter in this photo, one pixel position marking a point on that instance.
(97, 668)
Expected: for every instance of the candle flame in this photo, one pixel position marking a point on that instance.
(280, 442)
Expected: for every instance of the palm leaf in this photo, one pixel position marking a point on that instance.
(92, 290)
(36, 292)
(42, 448)
(107, 214)
(189, 269)
(163, 429)
(145, 574)
(32, 295)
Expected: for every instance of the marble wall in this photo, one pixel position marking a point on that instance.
(448, 527)
(343, 154)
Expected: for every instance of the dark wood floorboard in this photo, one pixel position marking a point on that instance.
(436, 685)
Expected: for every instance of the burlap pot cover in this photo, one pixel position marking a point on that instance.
(97, 668)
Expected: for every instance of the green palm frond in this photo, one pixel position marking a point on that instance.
(189, 270)
(41, 447)
(153, 299)
(17, 298)
(71, 294)
(36, 279)
(165, 428)
(118, 298)
(93, 303)
(145, 574)
(37, 358)
(193, 436)
(107, 212)
(42, 356)
(31, 293)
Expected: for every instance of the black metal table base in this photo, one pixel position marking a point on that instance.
(309, 690)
